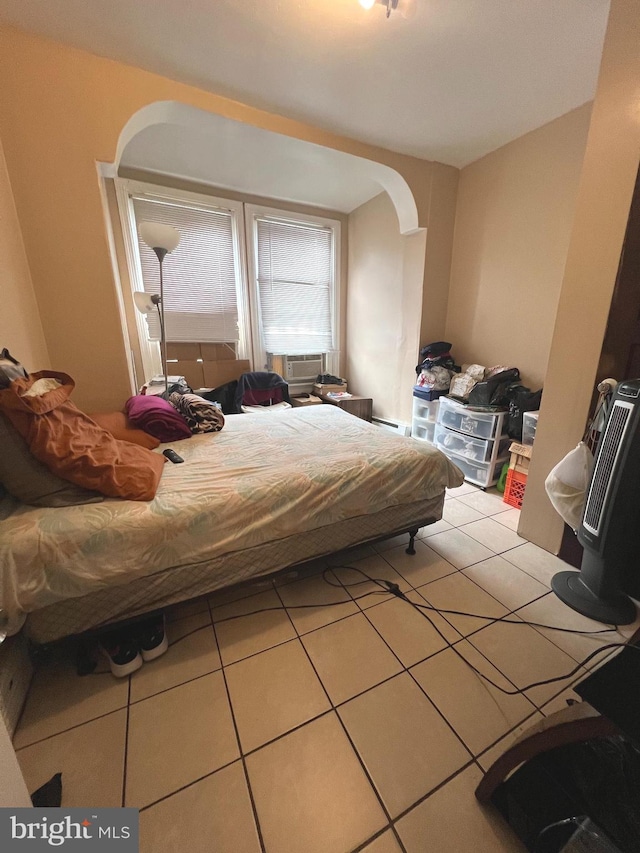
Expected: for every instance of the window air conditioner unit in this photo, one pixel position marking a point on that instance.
(297, 368)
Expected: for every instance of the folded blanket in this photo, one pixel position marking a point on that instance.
(200, 415)
(156, 416)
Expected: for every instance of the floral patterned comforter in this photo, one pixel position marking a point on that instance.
(264, 477)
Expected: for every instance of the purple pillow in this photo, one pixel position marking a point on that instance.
(157, 417)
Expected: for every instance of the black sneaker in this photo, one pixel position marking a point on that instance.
(121, 649)
(152, 637)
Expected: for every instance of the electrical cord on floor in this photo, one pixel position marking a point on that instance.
(389, 586)
(395, 590)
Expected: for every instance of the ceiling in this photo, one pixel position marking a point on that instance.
(456, 81)
(215, 150)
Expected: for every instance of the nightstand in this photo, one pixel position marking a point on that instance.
(361, 407)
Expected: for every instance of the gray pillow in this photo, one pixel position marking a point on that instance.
(7, 503)
(28, 480)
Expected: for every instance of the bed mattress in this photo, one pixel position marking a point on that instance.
(181, 583)
(263, 479)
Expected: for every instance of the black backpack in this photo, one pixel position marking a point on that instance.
(492, 392)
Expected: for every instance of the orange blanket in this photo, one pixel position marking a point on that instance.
(74, 447)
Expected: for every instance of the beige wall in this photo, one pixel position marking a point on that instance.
(602, 210)
(513, 222)
(439, 250)
(20, 325)
(53, 136)
(384, 302)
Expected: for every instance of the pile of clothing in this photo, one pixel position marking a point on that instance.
(435, 369)
(479, 387)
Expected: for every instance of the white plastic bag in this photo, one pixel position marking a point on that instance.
(567, 484)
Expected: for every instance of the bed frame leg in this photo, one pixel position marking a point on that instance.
(412, 535)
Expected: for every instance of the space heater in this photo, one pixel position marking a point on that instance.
(610, 527)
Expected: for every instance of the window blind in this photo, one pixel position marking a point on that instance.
(200, 276)
(295, 276)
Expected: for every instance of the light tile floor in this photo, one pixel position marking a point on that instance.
(351, 724)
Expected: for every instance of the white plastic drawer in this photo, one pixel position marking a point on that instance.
(426, 409)
(423, 430)
(529, 426)
(481, 473)
(474, 449)
(458, 417)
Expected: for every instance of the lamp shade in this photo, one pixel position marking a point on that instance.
(159, 236)
(144, 301)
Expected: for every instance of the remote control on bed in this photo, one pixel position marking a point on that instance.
(172, 456)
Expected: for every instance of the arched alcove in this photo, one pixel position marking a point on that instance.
(187, 148)
(161, 136)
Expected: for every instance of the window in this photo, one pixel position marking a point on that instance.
(293, 267)
(201, 291)
(287, 306)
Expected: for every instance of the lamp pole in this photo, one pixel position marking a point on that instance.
(161, 239)
(161, 254)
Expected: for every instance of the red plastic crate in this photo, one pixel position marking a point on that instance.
(514, 488)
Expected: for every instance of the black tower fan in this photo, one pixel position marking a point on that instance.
(610, 528)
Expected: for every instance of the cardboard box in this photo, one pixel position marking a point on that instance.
(323, 389)
(183, 352)
(205, 365)
(218, 352)
(520, 457)
(306, 401)
(191, 370)
(217, 373)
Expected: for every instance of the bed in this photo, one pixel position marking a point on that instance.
(268, 492)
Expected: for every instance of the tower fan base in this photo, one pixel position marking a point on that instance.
(614, 610)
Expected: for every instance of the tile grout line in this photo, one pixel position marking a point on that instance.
(433, 791)
(406, 670)
(450, 645)
(372, 838)
(299, 636)
(126, 745)
(69, 729)
(334, 708)
(346, 733)
(239, 742)
(187, 785)
(510, 731)
(491, 621)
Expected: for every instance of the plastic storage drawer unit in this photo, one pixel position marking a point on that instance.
(472, 440)
(423, 422)
(456, 416)
(425, 409)
(474, 449)
(529, 426)
(423, 430)
(481, 473)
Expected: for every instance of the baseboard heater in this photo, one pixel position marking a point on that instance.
(394, 426)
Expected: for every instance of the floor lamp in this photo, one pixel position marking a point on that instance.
(162, 239)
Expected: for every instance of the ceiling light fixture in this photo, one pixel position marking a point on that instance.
(406, 8)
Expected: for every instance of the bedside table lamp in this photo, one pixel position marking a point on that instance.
(162, 239)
